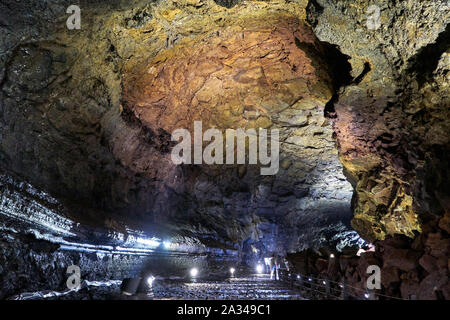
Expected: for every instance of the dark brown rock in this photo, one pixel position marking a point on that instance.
(321, 265)
(446, 291)
(367, 259)
(409, 289)
(431, 284)
(444, 222)
(403, 259)
(419, 242)
(389, 276)
(438, 245)
(429, 263)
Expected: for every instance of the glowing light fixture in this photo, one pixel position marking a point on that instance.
(194, 272)
(366, 295)
(259, 268)
(150, 280)
(167, 244)
(232, 270)
(331, 256)
(298, 276)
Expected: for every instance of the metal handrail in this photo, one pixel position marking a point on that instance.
(328, 287)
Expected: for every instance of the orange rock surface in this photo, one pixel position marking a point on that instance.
(235, 77)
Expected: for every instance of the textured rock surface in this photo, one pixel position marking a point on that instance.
(86, 139)
(86, 115)
(409, 269)
(391, 121)
(37, 245)
(259, 72)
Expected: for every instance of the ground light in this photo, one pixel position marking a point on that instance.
(232, 270)
(194, 272)
(150, 280)
(259, 268)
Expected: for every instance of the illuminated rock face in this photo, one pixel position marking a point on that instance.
(147, 74)
(270, 73)
(92, 111)
(389, 121)
(234, 77)
(87, 116)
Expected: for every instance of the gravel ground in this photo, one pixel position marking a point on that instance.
(253, 287)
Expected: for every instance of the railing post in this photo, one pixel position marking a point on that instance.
(344, 293)
(327, 288)
(372, 295)
(300, 282)
(313, 287)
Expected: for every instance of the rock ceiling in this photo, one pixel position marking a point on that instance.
(87, 115)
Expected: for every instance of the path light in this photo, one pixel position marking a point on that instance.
(324, 282)
(232, 270)
(259, 268)
(309, 279)
(194, 272)
(298, 276)
(366, 295)
(150, 280)
(331, 256)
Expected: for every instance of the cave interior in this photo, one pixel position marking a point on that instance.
(354, 98)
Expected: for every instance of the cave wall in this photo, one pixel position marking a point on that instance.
(409, 269)
(29, 265)
(69, 125)
(71, 100)
(392, 128)
(38, 244)
(391, 121)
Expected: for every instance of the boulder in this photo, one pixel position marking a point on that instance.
(445, 289)
(389, 276)
(418, 243)
(403, 259)
(396, 242)
(438, 245)
(367, 259)
(409, 289)
(431, 284)
(444, 222)
(321, 265)
(429, 263)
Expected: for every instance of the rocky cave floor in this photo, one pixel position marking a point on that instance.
(251, 287)
(360, 99)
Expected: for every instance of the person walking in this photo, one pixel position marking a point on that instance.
(286, 264)
(267, 263)
(274, 267)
